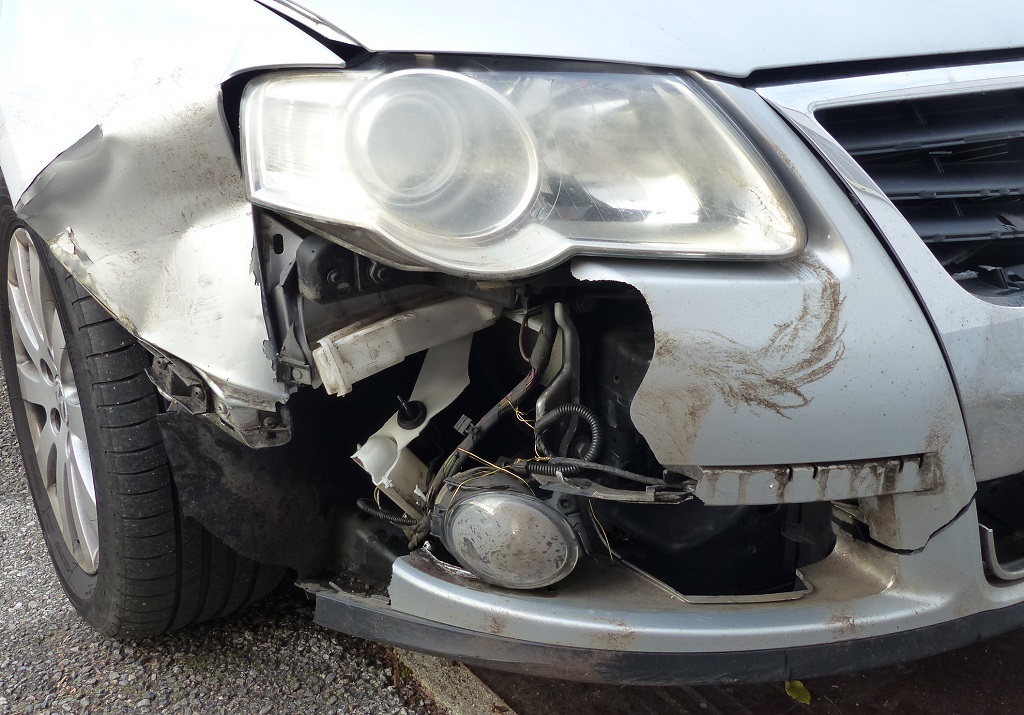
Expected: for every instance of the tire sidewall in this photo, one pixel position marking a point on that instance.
(91, 594)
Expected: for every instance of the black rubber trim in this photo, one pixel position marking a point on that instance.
(376, 621)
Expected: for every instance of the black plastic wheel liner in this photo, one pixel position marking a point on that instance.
(291, 506)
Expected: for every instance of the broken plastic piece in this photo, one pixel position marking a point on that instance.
(360, 350)
(395, 470)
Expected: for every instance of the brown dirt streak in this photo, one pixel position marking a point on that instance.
(799, 352)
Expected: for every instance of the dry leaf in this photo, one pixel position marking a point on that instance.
(796, 690)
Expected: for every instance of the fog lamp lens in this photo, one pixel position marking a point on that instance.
(511, 540)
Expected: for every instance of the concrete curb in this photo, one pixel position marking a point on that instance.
(452, 685)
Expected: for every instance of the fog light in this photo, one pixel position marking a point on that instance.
(510, 539)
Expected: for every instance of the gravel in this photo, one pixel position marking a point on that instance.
(268, 659)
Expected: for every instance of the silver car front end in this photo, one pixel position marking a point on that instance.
(851, 375)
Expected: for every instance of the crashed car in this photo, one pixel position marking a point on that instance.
(651, 345)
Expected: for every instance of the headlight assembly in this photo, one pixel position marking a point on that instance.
(500, 174)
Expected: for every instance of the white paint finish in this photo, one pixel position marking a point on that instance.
(731, 37)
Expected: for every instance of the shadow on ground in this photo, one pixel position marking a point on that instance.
(980, 678)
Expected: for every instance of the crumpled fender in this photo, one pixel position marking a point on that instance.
(111, 131)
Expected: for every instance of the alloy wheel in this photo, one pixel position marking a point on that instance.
(51, 401)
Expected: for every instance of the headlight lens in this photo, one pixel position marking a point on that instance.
(507, 173)
(440, 155)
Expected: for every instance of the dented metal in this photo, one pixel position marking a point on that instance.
(124, 167)
(838, 376)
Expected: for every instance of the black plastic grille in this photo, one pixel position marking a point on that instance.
(954, 166)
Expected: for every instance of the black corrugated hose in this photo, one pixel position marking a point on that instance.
(562, 412)
(367, 505)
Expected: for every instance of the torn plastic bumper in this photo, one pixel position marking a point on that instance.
(373, 619)
(813, 380)
(612, 624)
(800, 483)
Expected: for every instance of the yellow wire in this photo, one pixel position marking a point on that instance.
(492, 465)
(604, 534)
(481, 476)
(519, 414)
(462, 484)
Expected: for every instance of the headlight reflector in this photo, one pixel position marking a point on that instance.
(497, 173)
(440, 154)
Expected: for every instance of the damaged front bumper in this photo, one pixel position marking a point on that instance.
(818, 379)
(616, 626)
(767, 391)
(814, 380)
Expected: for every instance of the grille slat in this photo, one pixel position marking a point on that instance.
(973, 224)
(904, 135)
(954, 166)
(960, 181)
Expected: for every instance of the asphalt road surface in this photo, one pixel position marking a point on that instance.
(983, 678)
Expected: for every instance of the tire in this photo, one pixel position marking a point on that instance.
(81, 399)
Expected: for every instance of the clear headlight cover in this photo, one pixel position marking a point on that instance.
(501, 174)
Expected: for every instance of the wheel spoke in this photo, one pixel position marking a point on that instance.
(78, 456)
(83, 497)
(58, 345)
(34, 290)
(76, 421)
(65, 507)
(45, 448)
(33, 388)
(21, 317)
(26, 264)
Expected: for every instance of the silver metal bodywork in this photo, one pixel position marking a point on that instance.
(131, 175)
(117, 155)
(982, 340)
(731, 38)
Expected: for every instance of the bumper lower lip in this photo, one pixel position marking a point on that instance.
(373, 620)
(930, 601)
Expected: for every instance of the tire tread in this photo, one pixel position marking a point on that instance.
(171, 571)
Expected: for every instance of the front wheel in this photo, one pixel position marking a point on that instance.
(85, 413)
